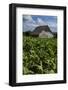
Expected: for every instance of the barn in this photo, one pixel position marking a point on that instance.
(42, 31)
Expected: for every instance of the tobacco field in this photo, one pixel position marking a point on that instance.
(39, 55)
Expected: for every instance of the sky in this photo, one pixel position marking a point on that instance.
(30, 22)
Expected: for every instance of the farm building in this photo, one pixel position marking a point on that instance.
(42, 31)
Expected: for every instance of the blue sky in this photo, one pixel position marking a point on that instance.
(30, 22)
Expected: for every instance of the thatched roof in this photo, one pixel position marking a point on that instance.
(39, 29)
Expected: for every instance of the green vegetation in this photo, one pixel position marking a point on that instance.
(40, 55)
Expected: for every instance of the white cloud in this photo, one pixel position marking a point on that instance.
(29, 19)
(29, 23)
(51, 23)
(40, 22)
(29, 26)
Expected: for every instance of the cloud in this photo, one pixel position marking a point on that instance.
(29, 23)
(28, 18)
(40, 22)
(46, 22)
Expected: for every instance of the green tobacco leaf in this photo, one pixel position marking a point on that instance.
(39, 55)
